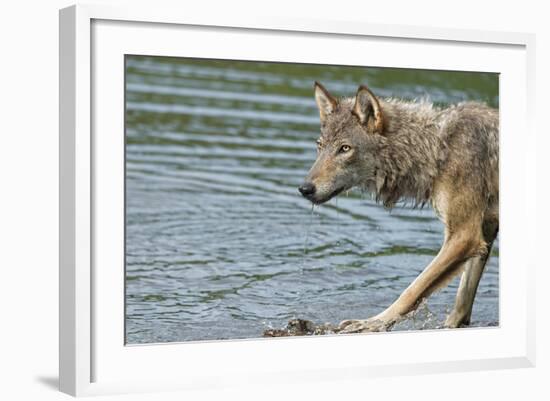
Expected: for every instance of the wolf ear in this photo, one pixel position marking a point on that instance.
(367, 109)
(325, 102)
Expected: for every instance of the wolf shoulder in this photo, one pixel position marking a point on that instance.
(470, 134)
(469, 118)
(470, 128)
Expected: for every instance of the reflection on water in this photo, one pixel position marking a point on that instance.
(216, 229)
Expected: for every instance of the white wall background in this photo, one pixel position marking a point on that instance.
(29, 187)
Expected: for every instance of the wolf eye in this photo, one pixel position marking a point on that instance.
(345, 148)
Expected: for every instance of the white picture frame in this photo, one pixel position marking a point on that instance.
(93, 357)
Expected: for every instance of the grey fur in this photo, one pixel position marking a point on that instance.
(413, 150)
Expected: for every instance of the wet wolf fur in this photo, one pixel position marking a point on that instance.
(400, 150)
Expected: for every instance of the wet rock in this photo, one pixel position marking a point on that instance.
(302, 327)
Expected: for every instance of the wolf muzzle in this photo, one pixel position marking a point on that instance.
(307, 189)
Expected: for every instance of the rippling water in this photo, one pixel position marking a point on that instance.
(220, 245)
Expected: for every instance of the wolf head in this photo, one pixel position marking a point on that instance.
(351, 133)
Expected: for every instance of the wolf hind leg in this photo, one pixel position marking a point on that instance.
(469, 282)
(462, 311)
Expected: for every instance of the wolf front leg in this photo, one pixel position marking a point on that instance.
(458, 247)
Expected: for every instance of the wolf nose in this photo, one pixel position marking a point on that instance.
(307, 189)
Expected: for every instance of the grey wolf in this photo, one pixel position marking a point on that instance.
(407, 150)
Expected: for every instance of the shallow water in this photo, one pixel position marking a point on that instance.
(219, 243)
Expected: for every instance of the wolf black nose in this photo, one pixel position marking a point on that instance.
(307, 189)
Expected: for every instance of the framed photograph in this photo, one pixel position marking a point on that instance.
(257, 199)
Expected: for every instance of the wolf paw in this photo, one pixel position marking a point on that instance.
(363, 326)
